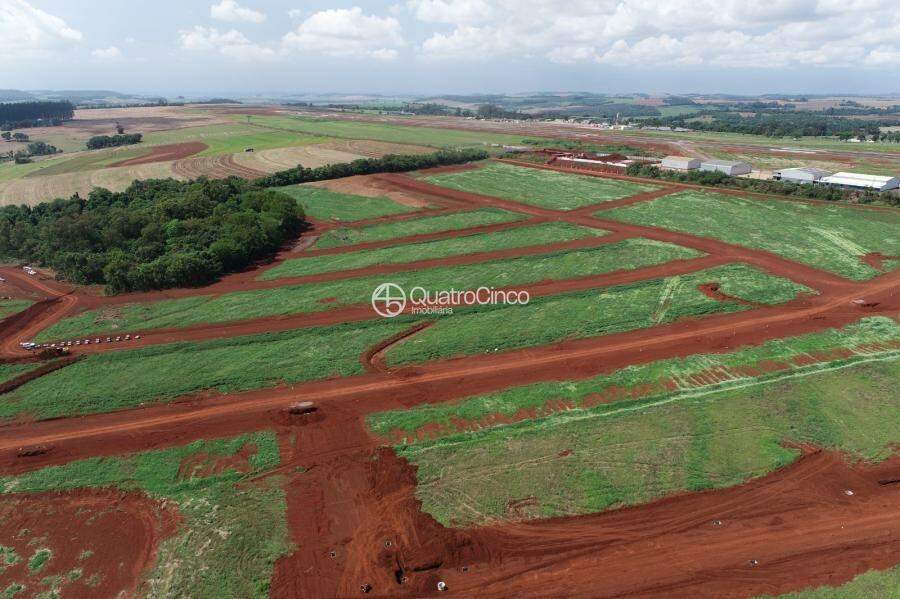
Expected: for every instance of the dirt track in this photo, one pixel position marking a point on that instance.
(357, 500)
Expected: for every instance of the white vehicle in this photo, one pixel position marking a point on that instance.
(27, 345)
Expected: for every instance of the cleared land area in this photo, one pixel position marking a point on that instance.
(420, 226)
(628, 254)
(589, 461)
(540, 234)
(873, 583)
(11, 306)
(547, 189)
(183, 514)
(590, 313)
(324, 204)
(834, 238)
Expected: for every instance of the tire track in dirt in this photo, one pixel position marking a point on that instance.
(373, 358)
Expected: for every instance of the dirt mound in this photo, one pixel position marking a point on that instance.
(164, 153)
(98, 541)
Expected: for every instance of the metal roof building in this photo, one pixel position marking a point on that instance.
(729, 167)
(804, 174)
(680, 163)
(861, 181)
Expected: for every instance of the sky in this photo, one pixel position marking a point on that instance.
(432, 47)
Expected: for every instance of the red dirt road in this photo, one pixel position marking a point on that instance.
(359, 505)
(357, 500)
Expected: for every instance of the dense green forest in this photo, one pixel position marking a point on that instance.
(155, 234)
(18, 115)
(164, 233)
(111, 141)
(777, 123)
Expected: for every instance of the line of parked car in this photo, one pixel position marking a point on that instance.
(96, 340)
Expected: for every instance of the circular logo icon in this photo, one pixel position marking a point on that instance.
(388, 300)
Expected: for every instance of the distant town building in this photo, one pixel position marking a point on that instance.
(680, 163)
(804, 174)
(861, 181)
(729, 167)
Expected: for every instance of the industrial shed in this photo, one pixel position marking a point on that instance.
(729, 167)
(680, 163)
(802, 174)
(861, 181)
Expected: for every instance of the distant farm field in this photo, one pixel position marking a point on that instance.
(591, 313)
(419, 226)
(529, 235)
(833, 238)
(544, 188)
(313, 297)
(427, 136)
(324, 204)
(582, 462)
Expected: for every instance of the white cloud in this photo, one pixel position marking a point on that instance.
(31, 31)
(230, 43)
(106, 53)
(230, 10)
(772, 34)
(347, 33)
(294, 13)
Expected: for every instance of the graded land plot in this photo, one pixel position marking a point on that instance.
(589, 461)
(875, 337)
(874, 583)
(528, 235)
(538, 187)
(834, 238)
(213, 531)
(313, 297)
(115, 380)
(87, 160)
(324, 204)
(414, 135)
(11, 306)
(420, 226)
(591, 313)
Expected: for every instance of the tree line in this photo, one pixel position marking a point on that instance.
(20, 115)
(111, 141)
(164, 233)
(800, 190)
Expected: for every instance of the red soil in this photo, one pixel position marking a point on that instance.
(165, 153)
(876, 260)
(359, 502)
(121, 530)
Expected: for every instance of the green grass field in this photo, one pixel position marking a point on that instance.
(229, 139)
(547, 189)
(869, 585)
(233, 529)
(421, 136)
(324, 204)
(590, 313)
(12, 306)
(576, 463)
(115, 380)
(627, 254)
(832, 238)
(648, 383)
(430, 224)
(88, 160)
(11, 371)
(540, 234)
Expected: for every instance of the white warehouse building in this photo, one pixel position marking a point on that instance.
(680, 163)
(861, 181)
(729, 167)
(803, 174)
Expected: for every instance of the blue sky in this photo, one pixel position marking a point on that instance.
(453, 46)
